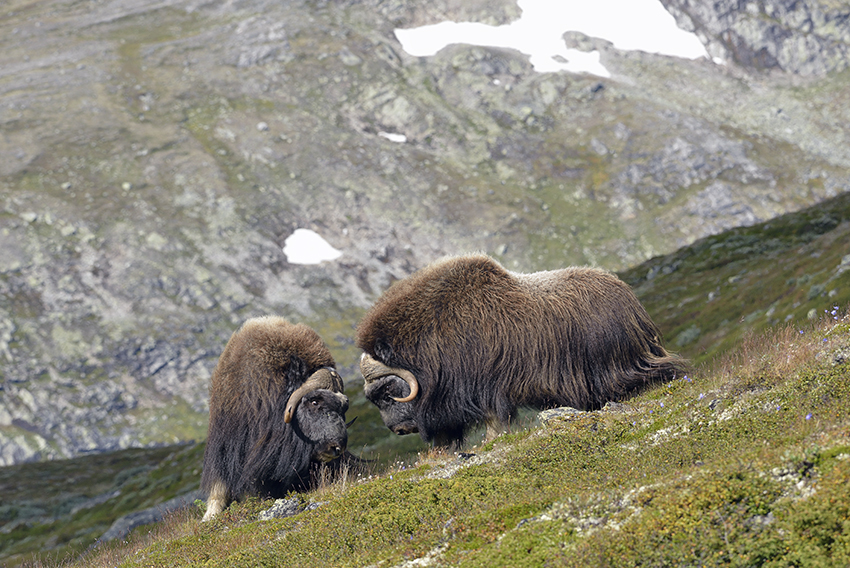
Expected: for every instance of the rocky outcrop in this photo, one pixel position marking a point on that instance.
(803, 38)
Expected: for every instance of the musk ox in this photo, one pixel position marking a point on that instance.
(465, 341)
(276, 409)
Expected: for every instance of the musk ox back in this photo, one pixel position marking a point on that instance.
(276, 408)
(465, 341)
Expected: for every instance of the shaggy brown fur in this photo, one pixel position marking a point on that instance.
(251, 450)
(482, 342)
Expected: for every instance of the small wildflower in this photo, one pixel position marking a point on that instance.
(701, 396)
(662, 405)
(809, 416)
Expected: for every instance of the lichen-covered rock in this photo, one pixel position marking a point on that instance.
(803, 38)
(555, 415)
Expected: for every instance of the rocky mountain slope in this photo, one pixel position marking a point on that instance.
(155, 155)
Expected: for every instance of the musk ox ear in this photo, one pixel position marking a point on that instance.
(384, 350)
(297, 369)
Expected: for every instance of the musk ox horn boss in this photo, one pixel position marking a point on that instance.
(276, 410)
(465, 341)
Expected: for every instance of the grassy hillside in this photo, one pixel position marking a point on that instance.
(708, 296)
(744, 463)
(59, 508)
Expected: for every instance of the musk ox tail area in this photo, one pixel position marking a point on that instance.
(607, 346)
(647, 371)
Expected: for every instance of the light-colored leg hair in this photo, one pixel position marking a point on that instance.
(495, 428)
(219, 499)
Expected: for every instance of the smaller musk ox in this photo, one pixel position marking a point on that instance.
(465, 341)
(276, 409)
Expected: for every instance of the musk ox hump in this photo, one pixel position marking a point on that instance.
(263, 361)
(446, 299)
(272, 341)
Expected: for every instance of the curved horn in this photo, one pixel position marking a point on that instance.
(324, 378)
(373, 370)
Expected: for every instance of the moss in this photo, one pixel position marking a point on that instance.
(707, 519)
(816, 531)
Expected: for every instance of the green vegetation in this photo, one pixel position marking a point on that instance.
(708, 296)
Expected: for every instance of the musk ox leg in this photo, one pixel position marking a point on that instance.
(219, 499)
(449, 440)
(495, 428)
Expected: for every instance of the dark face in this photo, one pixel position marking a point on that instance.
(321, 418)
(397, 416)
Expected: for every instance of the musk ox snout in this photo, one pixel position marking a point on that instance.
(329, 452)
(405, 428)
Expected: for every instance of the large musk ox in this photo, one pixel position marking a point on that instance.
(464, 341)
(276, 410)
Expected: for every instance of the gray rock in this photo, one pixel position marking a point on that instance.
(805, 38)
(612, 406)
(555, 415)
(283, 508)
(719, 207)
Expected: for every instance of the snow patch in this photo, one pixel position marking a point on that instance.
(304, 246)
(642, 25)
(392, 137)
